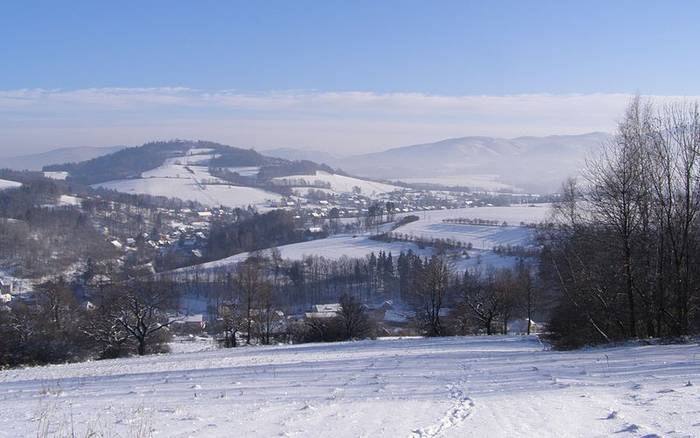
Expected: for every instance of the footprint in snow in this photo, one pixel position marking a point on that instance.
(631, 428)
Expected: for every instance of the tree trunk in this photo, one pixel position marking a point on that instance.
(142, 346)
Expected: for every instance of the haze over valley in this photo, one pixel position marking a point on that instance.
(349, 219)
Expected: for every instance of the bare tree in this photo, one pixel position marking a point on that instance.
(615, 180)
(103, 328)
(641, 237)
(252, 284)
(353, 317)
(232, 321)
(528, 291)
(480, 299)
(430, 293)
(140, 308)
(267, 317)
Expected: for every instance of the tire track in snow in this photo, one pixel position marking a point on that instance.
(456, 415)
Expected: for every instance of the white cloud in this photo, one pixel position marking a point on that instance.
(344, 121)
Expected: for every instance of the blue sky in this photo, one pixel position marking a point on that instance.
(311, 48)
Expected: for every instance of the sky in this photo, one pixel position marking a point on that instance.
(342, 76)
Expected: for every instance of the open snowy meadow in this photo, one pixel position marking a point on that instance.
(5, 184)
(446, 387)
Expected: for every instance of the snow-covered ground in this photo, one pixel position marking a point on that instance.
(245, 170)
(211, 195)
(484, 182)
(67, 200)
(431, 225)
(333, 248)
(444, 387)
(187, 177)
(480, 236)
(5, 184)
(56, 175)
(338, 183)
(336, 247)
(514, 214)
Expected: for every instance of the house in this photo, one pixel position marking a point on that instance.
(5, 286)
(327, 308)
(189, 324)
(330, 310)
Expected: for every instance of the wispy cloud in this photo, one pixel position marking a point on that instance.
(343, 121)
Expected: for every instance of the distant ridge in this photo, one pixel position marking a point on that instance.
(56, 156)
(529, 163)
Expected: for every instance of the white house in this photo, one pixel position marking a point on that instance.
(330, 310)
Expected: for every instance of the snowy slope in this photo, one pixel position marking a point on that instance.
(61, 175)
(5, 184)
(443, 387)
(338, 183)
(431, 225)
(187, 177)
(336, 247)
(514, 214)
(333, 248)
(191, 190)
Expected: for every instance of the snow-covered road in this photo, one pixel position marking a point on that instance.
(451, 387)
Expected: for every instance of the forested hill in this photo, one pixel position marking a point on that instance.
(131, 162)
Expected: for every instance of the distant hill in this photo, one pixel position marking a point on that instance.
(530, 163)
(56, 156)
(131, 163)
(210, 173)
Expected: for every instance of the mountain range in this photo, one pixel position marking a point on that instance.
(524, 163)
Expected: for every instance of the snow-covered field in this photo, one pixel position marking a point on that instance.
(56, 175)
(444, 387)
(338, 183)
(333, 248)
(211, 195)
(5, 184)
(186, 177)
(431, 225)
(480, 236)
(513, 214)
(484, 182)
(245, 170)
(336, 247)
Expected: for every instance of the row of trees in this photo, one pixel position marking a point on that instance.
(443, 300)
(625, 246)
(128, 318)
(249, 310)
